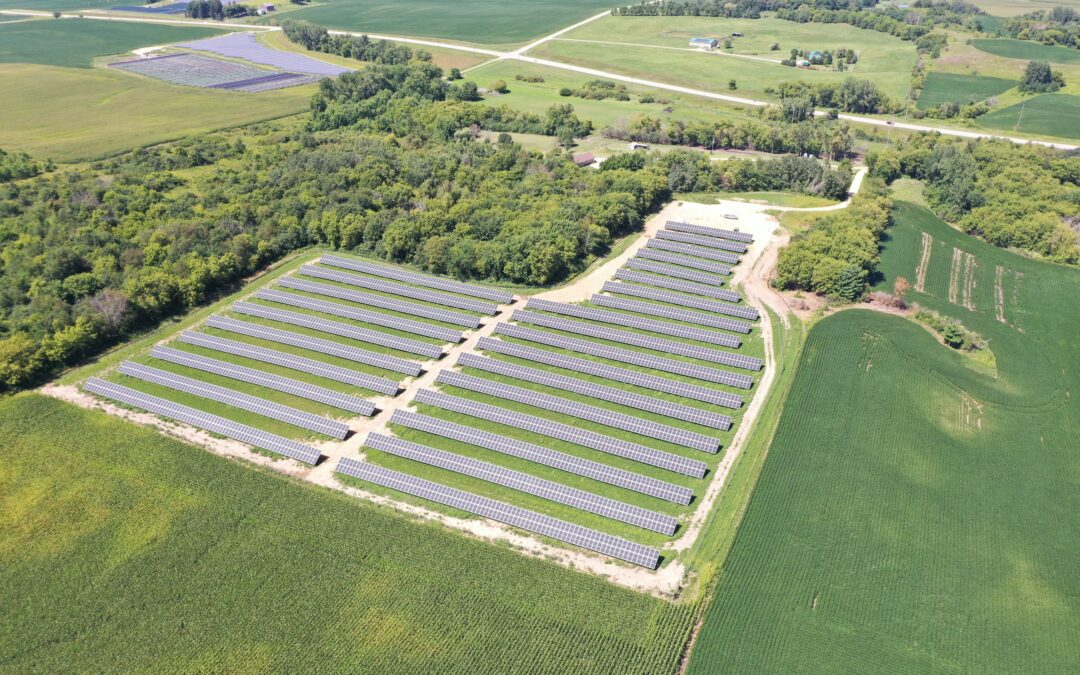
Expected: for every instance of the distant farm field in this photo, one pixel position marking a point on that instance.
(74, 43)
(71, 114)
(914, 512)
(1046, 114)
(479, 21)
(1029, 51)
(963, 89)
(50, 5)
(138, 536)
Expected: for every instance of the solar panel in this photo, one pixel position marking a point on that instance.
(285, 337)
(699, 251)
(685, 261)
(338, 328)
(502, 512)
(677, 285)
(681, 299)
(204, 420)
(602, 392)
(310, 366)
(619, 319)
(269, 380)
(698, 240)
(564, 432)
(373, 318)
(523, 482)
(563, 406)
(653, 309)
(381, 301)
(427, 280)
(709, 231)
(540, 455)
(628, 356)
(383, 286)
(673, 271)
(624, 375)
(254, 404)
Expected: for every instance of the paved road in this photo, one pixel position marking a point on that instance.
(520, 55)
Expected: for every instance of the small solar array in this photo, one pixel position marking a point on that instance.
(653, 309)
(709, 231)
(699, 251)
(540, 455)
(381, 301)
(673, 271)
(624, 375)
(427, 280)
(362, 315)
(203, 420)
(299, 363)
(338, 328)
(681, 299)
(677, 285)
(708, 242)
(685, 261)
(523, 482)
(565, 432)
(630, 321)
(630, 356)
(394, 288)
(599, 391)
(284, 337)
(268, 380)
(254, 404)
(531, 521)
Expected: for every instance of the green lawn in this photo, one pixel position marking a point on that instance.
(74, 43)
(916, 514)
(494, 22)
(1046, 114)
(1029, 51)
(167, 558)
(792, 199)
(963, 89)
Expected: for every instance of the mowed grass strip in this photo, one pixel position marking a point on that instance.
(1045, 114)
(1028, 51)
(962, 89)
(118, 521)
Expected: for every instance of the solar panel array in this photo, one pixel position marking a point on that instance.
(285, 337)
(675, 313)
(204, 420)
(602, 392)
(540, 455)
(639, 263)
(585, 347)
(228, 396)
(338, 328)
(269, 380)
(383, 286)
(381, 301)
(619, 319)
(677, 285)
(681, 299)
(504, 513)
(563, 406)
(709, 231)
(565, 432)
(710, 242)
(685, 261)
(427, 280)
(373, 318)
(523, 482)
(624, 375)
(700, 252)
(310, 366)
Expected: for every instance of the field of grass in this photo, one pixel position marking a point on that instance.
(74, 43)
(495, 22)
(792, 199)
(1008, 8)
(50, 5)
(75, 114)
(1029, 51)
(166, 558)
(963, 89)
(1046, 114)
(914, 513)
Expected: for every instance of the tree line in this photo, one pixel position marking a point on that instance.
(362, 48)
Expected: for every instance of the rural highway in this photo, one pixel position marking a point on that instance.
(521, 55)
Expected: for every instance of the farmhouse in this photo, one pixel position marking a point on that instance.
(703, 43)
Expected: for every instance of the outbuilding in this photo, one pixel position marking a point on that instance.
(703, 43)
